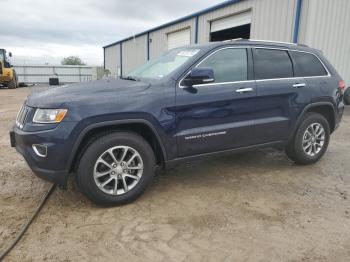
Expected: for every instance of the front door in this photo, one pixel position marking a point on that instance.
(217, 116)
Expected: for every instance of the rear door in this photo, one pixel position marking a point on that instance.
(280, 94)
(217, 116)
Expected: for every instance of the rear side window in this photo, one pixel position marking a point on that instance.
(272, 64)
(308, 65)
(229, 65)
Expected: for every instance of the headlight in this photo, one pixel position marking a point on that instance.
(49, 116)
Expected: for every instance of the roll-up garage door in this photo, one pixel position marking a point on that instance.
(231, 21)
(179, 38)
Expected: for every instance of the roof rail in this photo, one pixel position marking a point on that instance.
(269, 41)
(235, 39)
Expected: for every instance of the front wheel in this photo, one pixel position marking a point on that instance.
(310, 141)
(116, 168)
(14, 82)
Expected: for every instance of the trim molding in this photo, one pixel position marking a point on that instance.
(256, 80)
(104, 58)
(148, 46)
(174, 162)
(121, 59)
(297, 21)
(196, 30)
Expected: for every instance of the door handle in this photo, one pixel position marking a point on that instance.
(299, 85)
(244, 90)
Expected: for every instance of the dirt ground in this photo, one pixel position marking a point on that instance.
(256, 206)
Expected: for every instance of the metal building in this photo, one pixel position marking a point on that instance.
(40, 74)
(322, 24)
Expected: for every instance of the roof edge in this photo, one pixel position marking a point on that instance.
(185, 18)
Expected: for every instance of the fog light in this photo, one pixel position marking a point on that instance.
(40, 150)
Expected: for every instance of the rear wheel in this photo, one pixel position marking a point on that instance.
(310, 141)
(14, 82)
(116, 168)
(347, 96)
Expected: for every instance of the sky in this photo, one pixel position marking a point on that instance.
(39, 32)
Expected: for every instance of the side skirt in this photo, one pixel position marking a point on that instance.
(174, 162)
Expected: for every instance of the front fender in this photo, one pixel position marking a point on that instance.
(82, 134)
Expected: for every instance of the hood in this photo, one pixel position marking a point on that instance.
(85, 91)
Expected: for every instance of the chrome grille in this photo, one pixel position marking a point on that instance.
(22, 116)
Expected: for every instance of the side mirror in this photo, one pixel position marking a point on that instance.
(198, 76)
(10, 54)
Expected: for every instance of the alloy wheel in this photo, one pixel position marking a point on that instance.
(118, 170)
(314, 139)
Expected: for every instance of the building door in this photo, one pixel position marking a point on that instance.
(179, 38)
(231, 27)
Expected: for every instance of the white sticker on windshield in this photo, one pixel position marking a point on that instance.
(188, 53)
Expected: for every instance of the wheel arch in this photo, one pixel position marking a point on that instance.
(139, 126)
(324, 108)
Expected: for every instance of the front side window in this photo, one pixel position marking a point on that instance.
(165, 64)
(229, 65)
(272, 64)
(307, 65)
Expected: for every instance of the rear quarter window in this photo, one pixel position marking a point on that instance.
(307, 65)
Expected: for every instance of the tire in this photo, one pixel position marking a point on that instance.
(92, 164)
(54, 81)
(13, 84)
(295, 150)
(347, 96)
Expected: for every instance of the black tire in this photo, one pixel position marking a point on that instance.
(13, 84)
(294, 149)
(85, 178)
(347, 96)
(54, 81)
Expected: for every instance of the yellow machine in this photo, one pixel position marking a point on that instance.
(8, 76)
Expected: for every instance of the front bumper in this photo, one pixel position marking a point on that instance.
(53, 167)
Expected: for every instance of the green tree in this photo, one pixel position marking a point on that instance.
(72, 60)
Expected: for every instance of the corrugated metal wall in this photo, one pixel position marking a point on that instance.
(271, 19)
(112, 59)
(135, 50)
(134, 53)
(325, 25)
(159, 38)
(42, 73)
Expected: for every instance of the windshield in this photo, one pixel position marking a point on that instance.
(165, 64)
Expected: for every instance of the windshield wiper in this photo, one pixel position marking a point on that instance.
(129, 78)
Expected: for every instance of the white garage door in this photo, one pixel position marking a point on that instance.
(231, 21)
(179, 38)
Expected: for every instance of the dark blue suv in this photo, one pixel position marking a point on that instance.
(191, 102)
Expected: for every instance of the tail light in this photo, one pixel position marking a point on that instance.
(342, 85)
